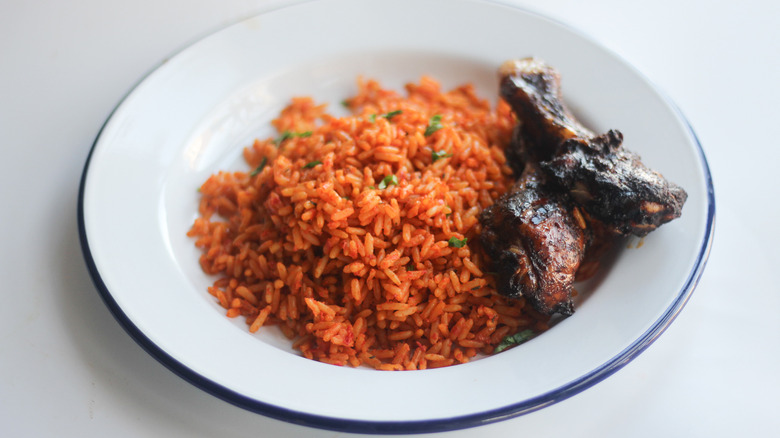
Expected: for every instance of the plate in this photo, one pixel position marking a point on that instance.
(193, 114)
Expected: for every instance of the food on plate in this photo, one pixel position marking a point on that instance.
(536, 243)
(423, 230)
(576, 192)
(608, 181)
(358, 236)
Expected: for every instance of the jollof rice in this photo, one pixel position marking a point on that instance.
(358, 236)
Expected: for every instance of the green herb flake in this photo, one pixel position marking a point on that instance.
(392, 114)
(286, 135)
(388, 116)
(439, 155)
(433, 125)
(345, 103)
(457, 243)
(260, 167)
(389, 180)
(410, 267)
(312, 164)
(512, 340)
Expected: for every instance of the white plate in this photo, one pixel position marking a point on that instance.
(192, 116)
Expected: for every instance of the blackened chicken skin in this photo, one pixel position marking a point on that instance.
(532, 89)
(608, 181)
(535, 243)
(613, 185)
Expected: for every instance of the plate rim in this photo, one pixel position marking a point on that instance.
(410, 426)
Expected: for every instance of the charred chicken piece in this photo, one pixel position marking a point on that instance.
(613, 185)
(535, 243)
(609, 182)
(532, 88)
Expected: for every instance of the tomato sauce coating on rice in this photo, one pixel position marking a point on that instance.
(358, 236)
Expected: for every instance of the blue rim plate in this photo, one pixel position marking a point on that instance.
(193, 114)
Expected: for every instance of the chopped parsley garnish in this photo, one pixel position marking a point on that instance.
(345, 103)
(312, 164)
(433, 125)
(389, 180)
(511, 340)
(388, 116)
(260, 167)
(392, 114)
(286, 135)
(439, 155)
(410, 267)
(457, 243)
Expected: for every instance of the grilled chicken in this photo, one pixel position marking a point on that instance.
(535, 243)
(532, 89)
(613, 185)
(608, 181)
(575, 193)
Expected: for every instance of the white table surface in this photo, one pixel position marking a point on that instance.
(67, 369)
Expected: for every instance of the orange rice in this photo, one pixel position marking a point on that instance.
(358, 236)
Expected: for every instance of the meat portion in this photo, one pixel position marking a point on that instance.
(535, 243)
(613, 185)
(609, 182)
(576, 192)
(532, 88)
